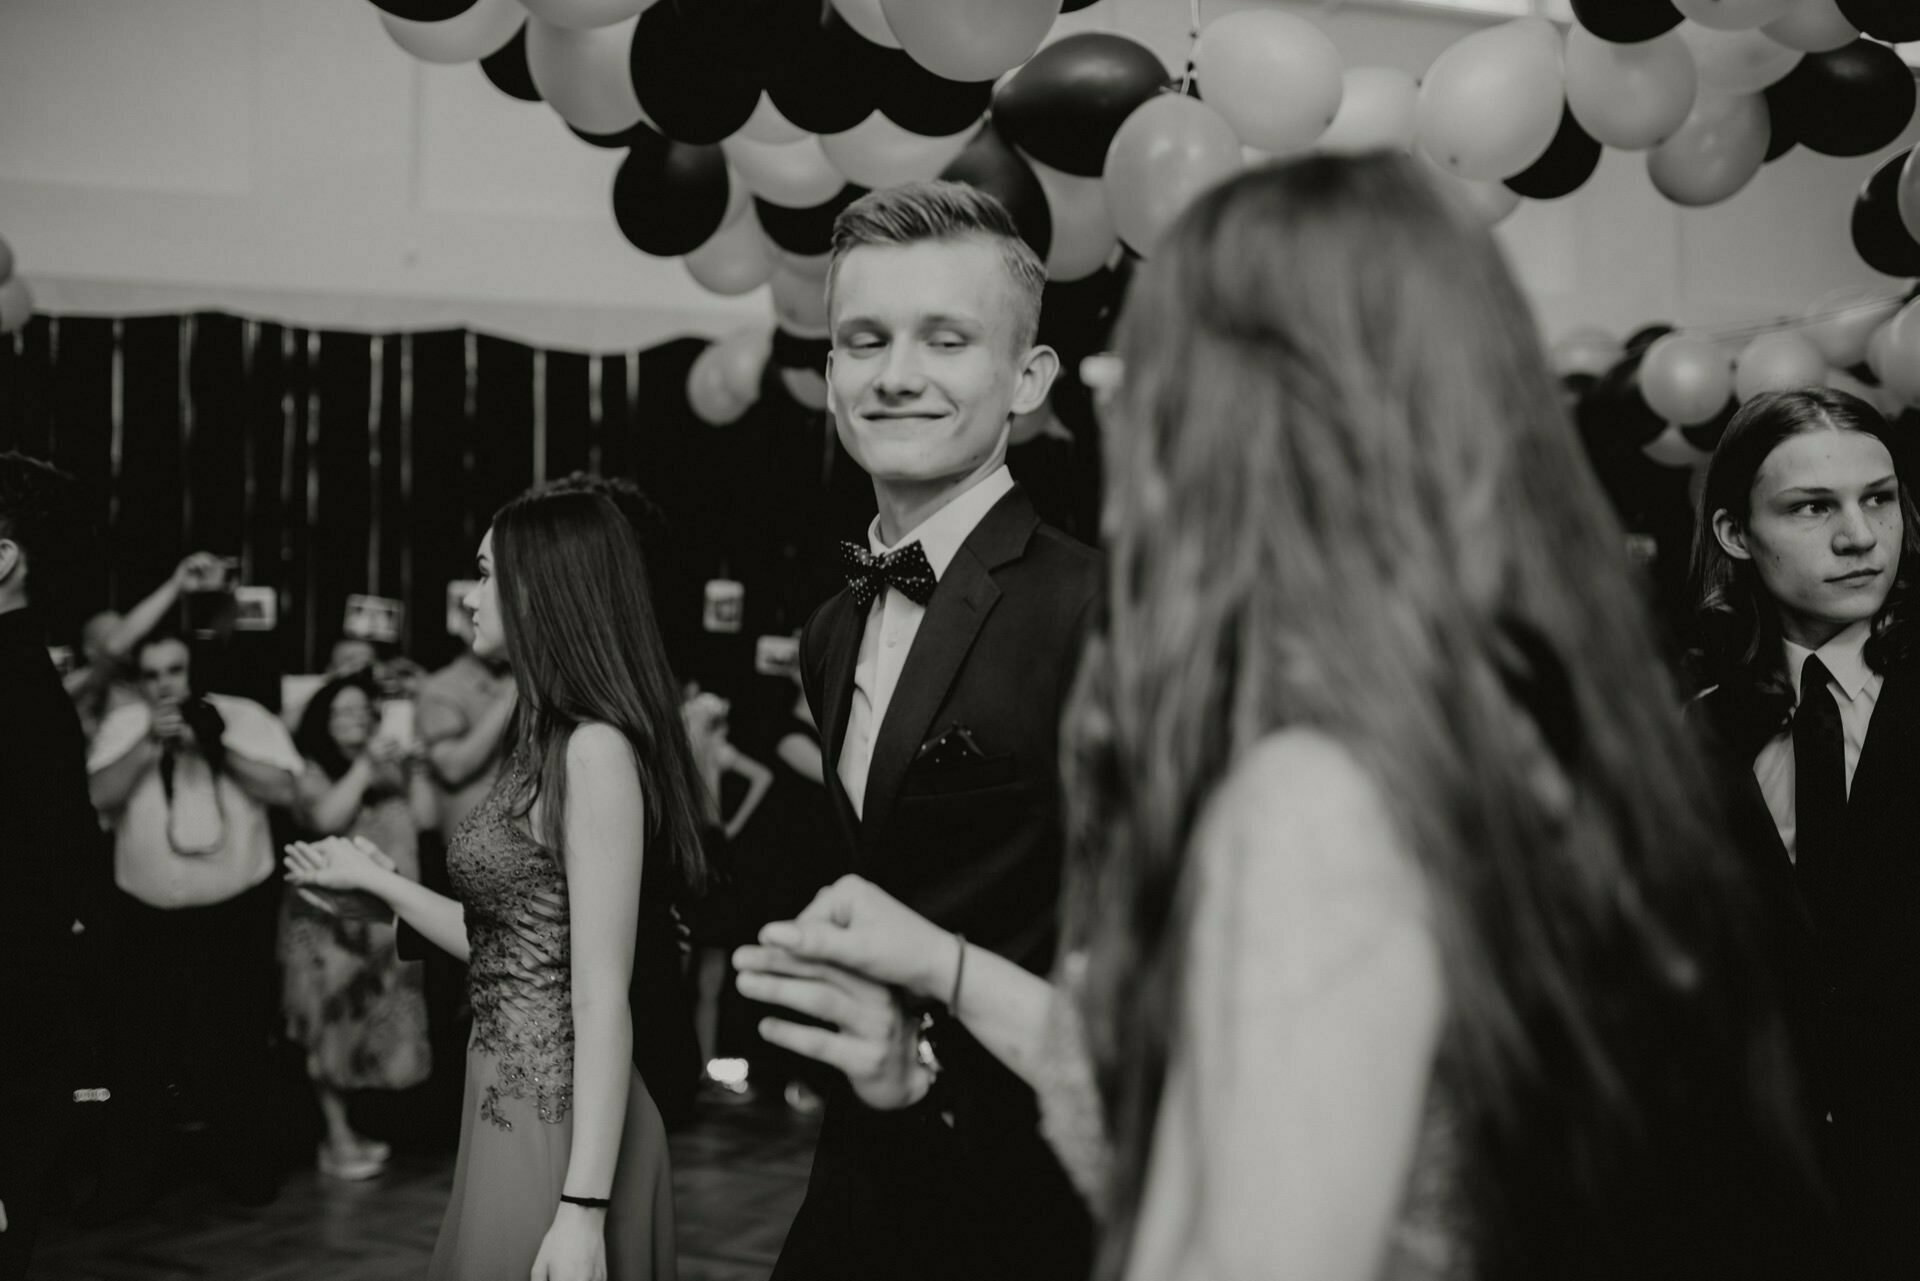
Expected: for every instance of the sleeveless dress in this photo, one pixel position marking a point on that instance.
(516, 1125)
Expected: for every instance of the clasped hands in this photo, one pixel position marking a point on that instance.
(858, 960)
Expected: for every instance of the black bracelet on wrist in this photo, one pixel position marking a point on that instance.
(591, 1202)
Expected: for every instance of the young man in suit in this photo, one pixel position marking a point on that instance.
(1801, 569)
(937, 677)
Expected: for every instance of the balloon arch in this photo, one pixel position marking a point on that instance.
(749, 124)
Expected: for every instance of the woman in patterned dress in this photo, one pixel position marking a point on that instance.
(562, 1173)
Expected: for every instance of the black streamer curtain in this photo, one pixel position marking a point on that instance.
(333, 463)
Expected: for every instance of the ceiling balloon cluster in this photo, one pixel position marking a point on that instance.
(749, 124)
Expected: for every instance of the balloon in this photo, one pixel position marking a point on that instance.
(1841, 380)
(1275, 76)
(669, 198)
(815, 266)
(799, 304)
(1064, 107)
(796, 174)
(879, 153)
(1780, 136)
(970, 39)
(1894, 20)
(16, 305)
(1812, 26)
(914, 98)
(424, 10)
(1481, 203)
(1626, 21)
(1840, 324)
(1672, 449)
(580, 14)
(1490, 103)
(622, 141)
(829, 80)
(1631, 96)
(1733, 15)
(476, 33)
(1878, 351)
(1880, 235)
(742, 357)
(1165, 154)
(708, 395)
(989, 164)
(1569, 162)
(1614, 416)
(1849, 102)
(1587, 350)
(735, 260)
(1909, 194)
(6, 261)
(864, 16)
(507, 68)
(1377, 106)
(1777, 362)
(1686, 379)
(806, 386)
(1899, 366)
(693, 94)
(767, 125)
(1737, 61)
(1083, 234)
(805, 231)
(1715, 153)
(584, 74)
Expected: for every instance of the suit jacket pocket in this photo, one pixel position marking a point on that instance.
(970, 775)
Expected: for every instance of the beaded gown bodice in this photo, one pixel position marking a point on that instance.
(519, 973)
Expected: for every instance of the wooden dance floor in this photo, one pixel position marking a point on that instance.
(739, 1174)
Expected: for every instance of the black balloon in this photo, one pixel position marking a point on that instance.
(1076, 317)
(753, 35)
(683, 87)
(425, 10)
(1849, 102)
(1896, 20)
(1626, 21)
(1780, 138)
(923, 103)
(1705, 436)
(1566, 166)
(626, 139)
(507, 68)
(996, 168)
(1613, 417)
(830, 76)
(1065, 105)
(669, 197)
(1072, 5)
(808, 232)
(1879, 233)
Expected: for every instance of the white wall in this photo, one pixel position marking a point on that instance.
(283, 158)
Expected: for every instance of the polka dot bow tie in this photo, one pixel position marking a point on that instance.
(905, 569)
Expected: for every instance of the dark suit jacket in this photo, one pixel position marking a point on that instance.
(975, 845)
(1852, 964)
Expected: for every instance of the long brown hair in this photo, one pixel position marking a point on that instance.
(585, 646)
(1737, 622)
(1344, 495)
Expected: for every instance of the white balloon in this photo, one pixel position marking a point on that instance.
(736, 259)
(1492, 102)
(1671, 449)
(1842, 323)
(1737, 61)
(1377, 112)
(806, 386)
(865, 18)
(1083, 234)
(712, 401)
(1274, 76)
(1630, 96)
(799, 304)
(16, 304)
(1588, 349)
(581, 14)
(794, 175)
(1813, 26)
(1732, 15)
(1780, 361)
(584, 74)
(466, 37)
(879, 153)
(1486, 203)
(743, 359)
(812, 266)
(767, 125)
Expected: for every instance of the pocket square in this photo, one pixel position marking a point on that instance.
(951, 746)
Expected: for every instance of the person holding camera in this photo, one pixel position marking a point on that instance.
(186, 780)
(103, 683)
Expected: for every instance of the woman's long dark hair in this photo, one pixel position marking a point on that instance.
(314, 736)
(1736, 620)
(1344, 495)
(584, 646)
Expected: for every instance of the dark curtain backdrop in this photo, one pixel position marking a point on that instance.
(333, 463)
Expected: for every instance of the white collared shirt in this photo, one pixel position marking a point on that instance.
(1856, 688)
(893, 621)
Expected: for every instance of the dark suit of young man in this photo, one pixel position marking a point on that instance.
(960, 819)
(1849, 953)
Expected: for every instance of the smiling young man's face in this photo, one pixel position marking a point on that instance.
(927, 369)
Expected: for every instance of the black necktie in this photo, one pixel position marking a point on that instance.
(905, 569)
(1819, 779)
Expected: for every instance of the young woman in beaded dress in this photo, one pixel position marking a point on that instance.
(1403, 944)
(562, 876)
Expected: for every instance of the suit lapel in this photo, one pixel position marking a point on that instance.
(845, 626)
(1887, 756)
(961, 602)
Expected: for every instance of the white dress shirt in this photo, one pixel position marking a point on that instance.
(1856, 688)
(893, 621)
